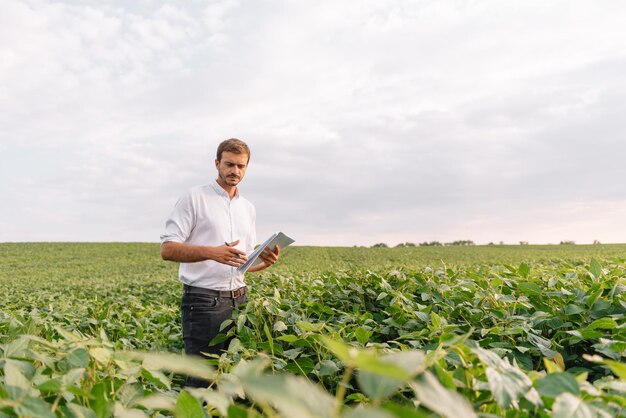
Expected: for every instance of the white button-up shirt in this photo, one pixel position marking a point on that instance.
(206, 215)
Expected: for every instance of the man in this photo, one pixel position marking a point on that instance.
(210, 232)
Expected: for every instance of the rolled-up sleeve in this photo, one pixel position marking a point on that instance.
(181, 221)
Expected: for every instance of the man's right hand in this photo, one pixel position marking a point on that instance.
(228, 255)
(185, 253)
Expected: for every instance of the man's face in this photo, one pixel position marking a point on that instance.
(232, 168)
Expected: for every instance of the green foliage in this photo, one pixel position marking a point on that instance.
(92, 330)
(461, 242)
(430, 244)
(405, 244)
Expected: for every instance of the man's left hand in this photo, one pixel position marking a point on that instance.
(270, 257)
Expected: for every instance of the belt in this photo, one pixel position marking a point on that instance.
(233, 294)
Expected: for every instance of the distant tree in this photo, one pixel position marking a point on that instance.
(431, 244)
(523, 243)
(405, 244)
(460, 242)
(567, 243)
(491, 243)
(596, 242)
(501, 243)
(380, 245)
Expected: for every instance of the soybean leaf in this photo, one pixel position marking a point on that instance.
(343, 352)
(188, 406)
(602, 323)
(530, 289)
(567, 405)
(524, 270)
(50, 386)
(235, 411)
(506, 382)
(595, 268)
(34, 407)
(70, 336)
(268, 334)
(129, 393)
(293, 396)
(289, 338)
(555, 384)
(101, 355)
(226, 324)
(77, 358)
(230, 385)
(362, 335)
(302, 365)
(157, 377)
(617, 367)
(543, 344)
(98, 400)
(308, 326)
(444, 376)
(187, 365)
(439, 399)
(593, 296)
(377, 387)
(327, 368)
(158, 402)
(212, 398)
(400, 411)
(364, 360)
(18, 347)
(15, 381)
(279, 326)
(572, 309)
(367, 412)
(78, 411)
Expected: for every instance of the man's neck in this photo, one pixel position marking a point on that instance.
(231, 190)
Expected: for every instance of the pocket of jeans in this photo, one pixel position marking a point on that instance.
(204, 304)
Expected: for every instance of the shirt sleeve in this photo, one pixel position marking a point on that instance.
(181, 221)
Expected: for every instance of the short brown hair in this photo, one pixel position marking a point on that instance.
(234, 145)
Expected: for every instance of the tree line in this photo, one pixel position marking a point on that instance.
(425, 244)
(458, 243)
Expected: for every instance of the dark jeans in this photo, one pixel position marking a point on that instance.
(202, 314)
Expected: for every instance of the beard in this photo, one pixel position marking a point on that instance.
(231, 180)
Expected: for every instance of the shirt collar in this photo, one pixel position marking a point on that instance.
(216, 186)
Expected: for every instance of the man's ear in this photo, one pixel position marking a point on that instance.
(217, 163)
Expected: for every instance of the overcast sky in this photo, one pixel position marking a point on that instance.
(369, 120)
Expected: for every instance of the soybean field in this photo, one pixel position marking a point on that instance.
(93, 330)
